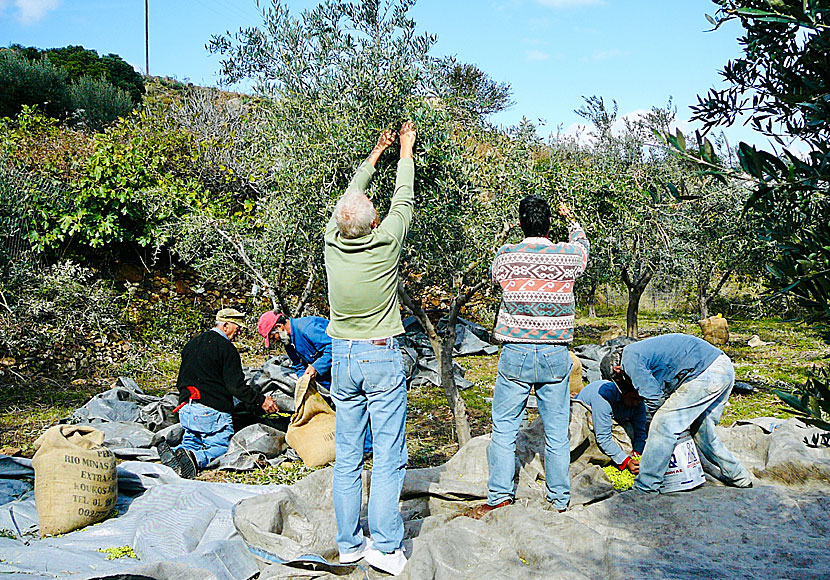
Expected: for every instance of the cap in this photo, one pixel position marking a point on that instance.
(231, 315)
(267, 322)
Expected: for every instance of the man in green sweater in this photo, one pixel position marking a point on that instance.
(368, 382)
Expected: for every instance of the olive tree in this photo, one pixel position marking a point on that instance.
(780, 83)
(335, 77)
(629, 215)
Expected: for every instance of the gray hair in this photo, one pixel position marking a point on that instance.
(354, 214)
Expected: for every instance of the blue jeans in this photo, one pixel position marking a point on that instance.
(369, 390)
(207, 432)
(697, 406)
(546, 368)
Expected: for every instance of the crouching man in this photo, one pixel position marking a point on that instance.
(611, 403)
(535, 323)
(685, 382)
(368, 382)
(210, 376)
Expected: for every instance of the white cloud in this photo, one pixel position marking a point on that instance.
(569, 3)
(537, 55)
(583, 133)
(31, 11)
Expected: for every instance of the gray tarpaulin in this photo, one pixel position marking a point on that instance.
(769, 531)
(133, 422)
(179, 529)
(182, 529)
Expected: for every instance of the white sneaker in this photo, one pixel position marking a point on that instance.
(390, 563)
(352, 557)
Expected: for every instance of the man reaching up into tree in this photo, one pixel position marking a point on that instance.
(368, 382)
(535, 323)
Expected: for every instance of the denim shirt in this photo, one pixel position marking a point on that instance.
(310, 345)
(658, 366)
(607, 406)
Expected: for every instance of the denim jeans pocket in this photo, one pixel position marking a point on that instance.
(511, 362)
(555, 365)
(381, 370)
(204, 419)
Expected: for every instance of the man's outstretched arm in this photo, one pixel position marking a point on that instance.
(366, 171)
(403, 201)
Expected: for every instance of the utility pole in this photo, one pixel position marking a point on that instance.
(146, 39)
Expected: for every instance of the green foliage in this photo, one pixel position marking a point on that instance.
(32, 83)
(56, 305)
(812, 401)
(341, 73)
(615, 181)
(97, 103)
(80, 62)
(781, 83)
(71, 84)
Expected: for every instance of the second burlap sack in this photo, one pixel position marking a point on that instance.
(715, 330)
(76, 483)
(311, 430)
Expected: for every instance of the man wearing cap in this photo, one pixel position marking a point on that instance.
(210, 376)
(685, 382)
(306, 344)
(368, 382)
(611, 403)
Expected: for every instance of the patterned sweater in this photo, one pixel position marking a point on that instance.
(537, 280)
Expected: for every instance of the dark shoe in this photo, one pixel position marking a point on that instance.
(478, 512)
(167, 457)
(187, 463)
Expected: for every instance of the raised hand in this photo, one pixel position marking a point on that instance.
(566, 212)
(408, 135)
(385, 140)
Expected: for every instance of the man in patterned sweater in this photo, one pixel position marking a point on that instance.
(535, 323)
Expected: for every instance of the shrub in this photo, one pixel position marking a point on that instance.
(27, 82)
(96, 103)
(47, 308)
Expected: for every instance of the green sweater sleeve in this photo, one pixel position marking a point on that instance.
(397, 221)
(360, 182)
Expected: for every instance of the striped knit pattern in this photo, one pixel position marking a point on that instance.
(537, 280)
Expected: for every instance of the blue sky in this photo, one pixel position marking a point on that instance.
(552, 52)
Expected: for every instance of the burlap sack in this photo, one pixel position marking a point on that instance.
(715, 330)
(576, 375)
(311, 430)
(75, 479)
(614, 331)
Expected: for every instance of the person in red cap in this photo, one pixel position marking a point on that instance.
(306, 344)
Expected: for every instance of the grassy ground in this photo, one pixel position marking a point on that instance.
(26, 411)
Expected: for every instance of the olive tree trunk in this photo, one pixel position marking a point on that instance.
(636, 287)
(442, 346)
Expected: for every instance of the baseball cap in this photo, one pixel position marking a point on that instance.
(267, 322)
(231, 315)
